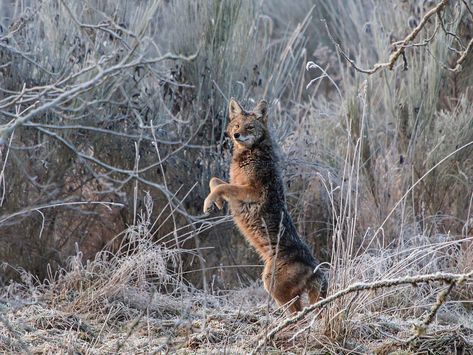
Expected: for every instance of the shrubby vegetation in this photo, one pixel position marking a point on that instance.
(112, 121)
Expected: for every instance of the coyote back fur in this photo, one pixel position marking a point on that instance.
(256, 198)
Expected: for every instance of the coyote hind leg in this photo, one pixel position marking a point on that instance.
(282, 296)
(317, 287)
(282, 289)
(314, 295)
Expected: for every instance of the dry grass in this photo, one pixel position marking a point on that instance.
(122, 138)
(138, 301)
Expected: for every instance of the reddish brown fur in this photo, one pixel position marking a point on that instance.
(256, 198)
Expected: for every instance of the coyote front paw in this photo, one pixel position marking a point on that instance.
(211, 200)
(214, 182)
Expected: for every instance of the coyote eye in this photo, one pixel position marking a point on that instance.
(250, 127)
(237, 126)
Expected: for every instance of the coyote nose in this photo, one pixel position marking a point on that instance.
(236, 135)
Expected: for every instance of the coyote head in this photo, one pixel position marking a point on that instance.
(247, 129)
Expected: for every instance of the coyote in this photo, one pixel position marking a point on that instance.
(256, 198)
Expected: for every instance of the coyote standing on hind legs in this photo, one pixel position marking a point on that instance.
(256, 198)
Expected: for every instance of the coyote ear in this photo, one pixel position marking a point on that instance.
(261, 110)
(234, 109)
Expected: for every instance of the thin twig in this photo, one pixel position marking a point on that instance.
(3, 219)
(461, 59)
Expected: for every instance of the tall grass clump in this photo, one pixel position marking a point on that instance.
(106, 304)
(390, 133)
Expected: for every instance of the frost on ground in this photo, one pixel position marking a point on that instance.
(199, 322)
(137, 302)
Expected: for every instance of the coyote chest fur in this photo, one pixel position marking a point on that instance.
(256, 198)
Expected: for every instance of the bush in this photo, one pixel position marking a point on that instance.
(108, 114)
(105, 102)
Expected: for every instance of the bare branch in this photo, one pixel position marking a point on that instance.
(3, 219)
(400, 46)
(461, 59)
(70, 94)
(357, 287)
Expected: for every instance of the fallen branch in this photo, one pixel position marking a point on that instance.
(421, 328)
(455, 279)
